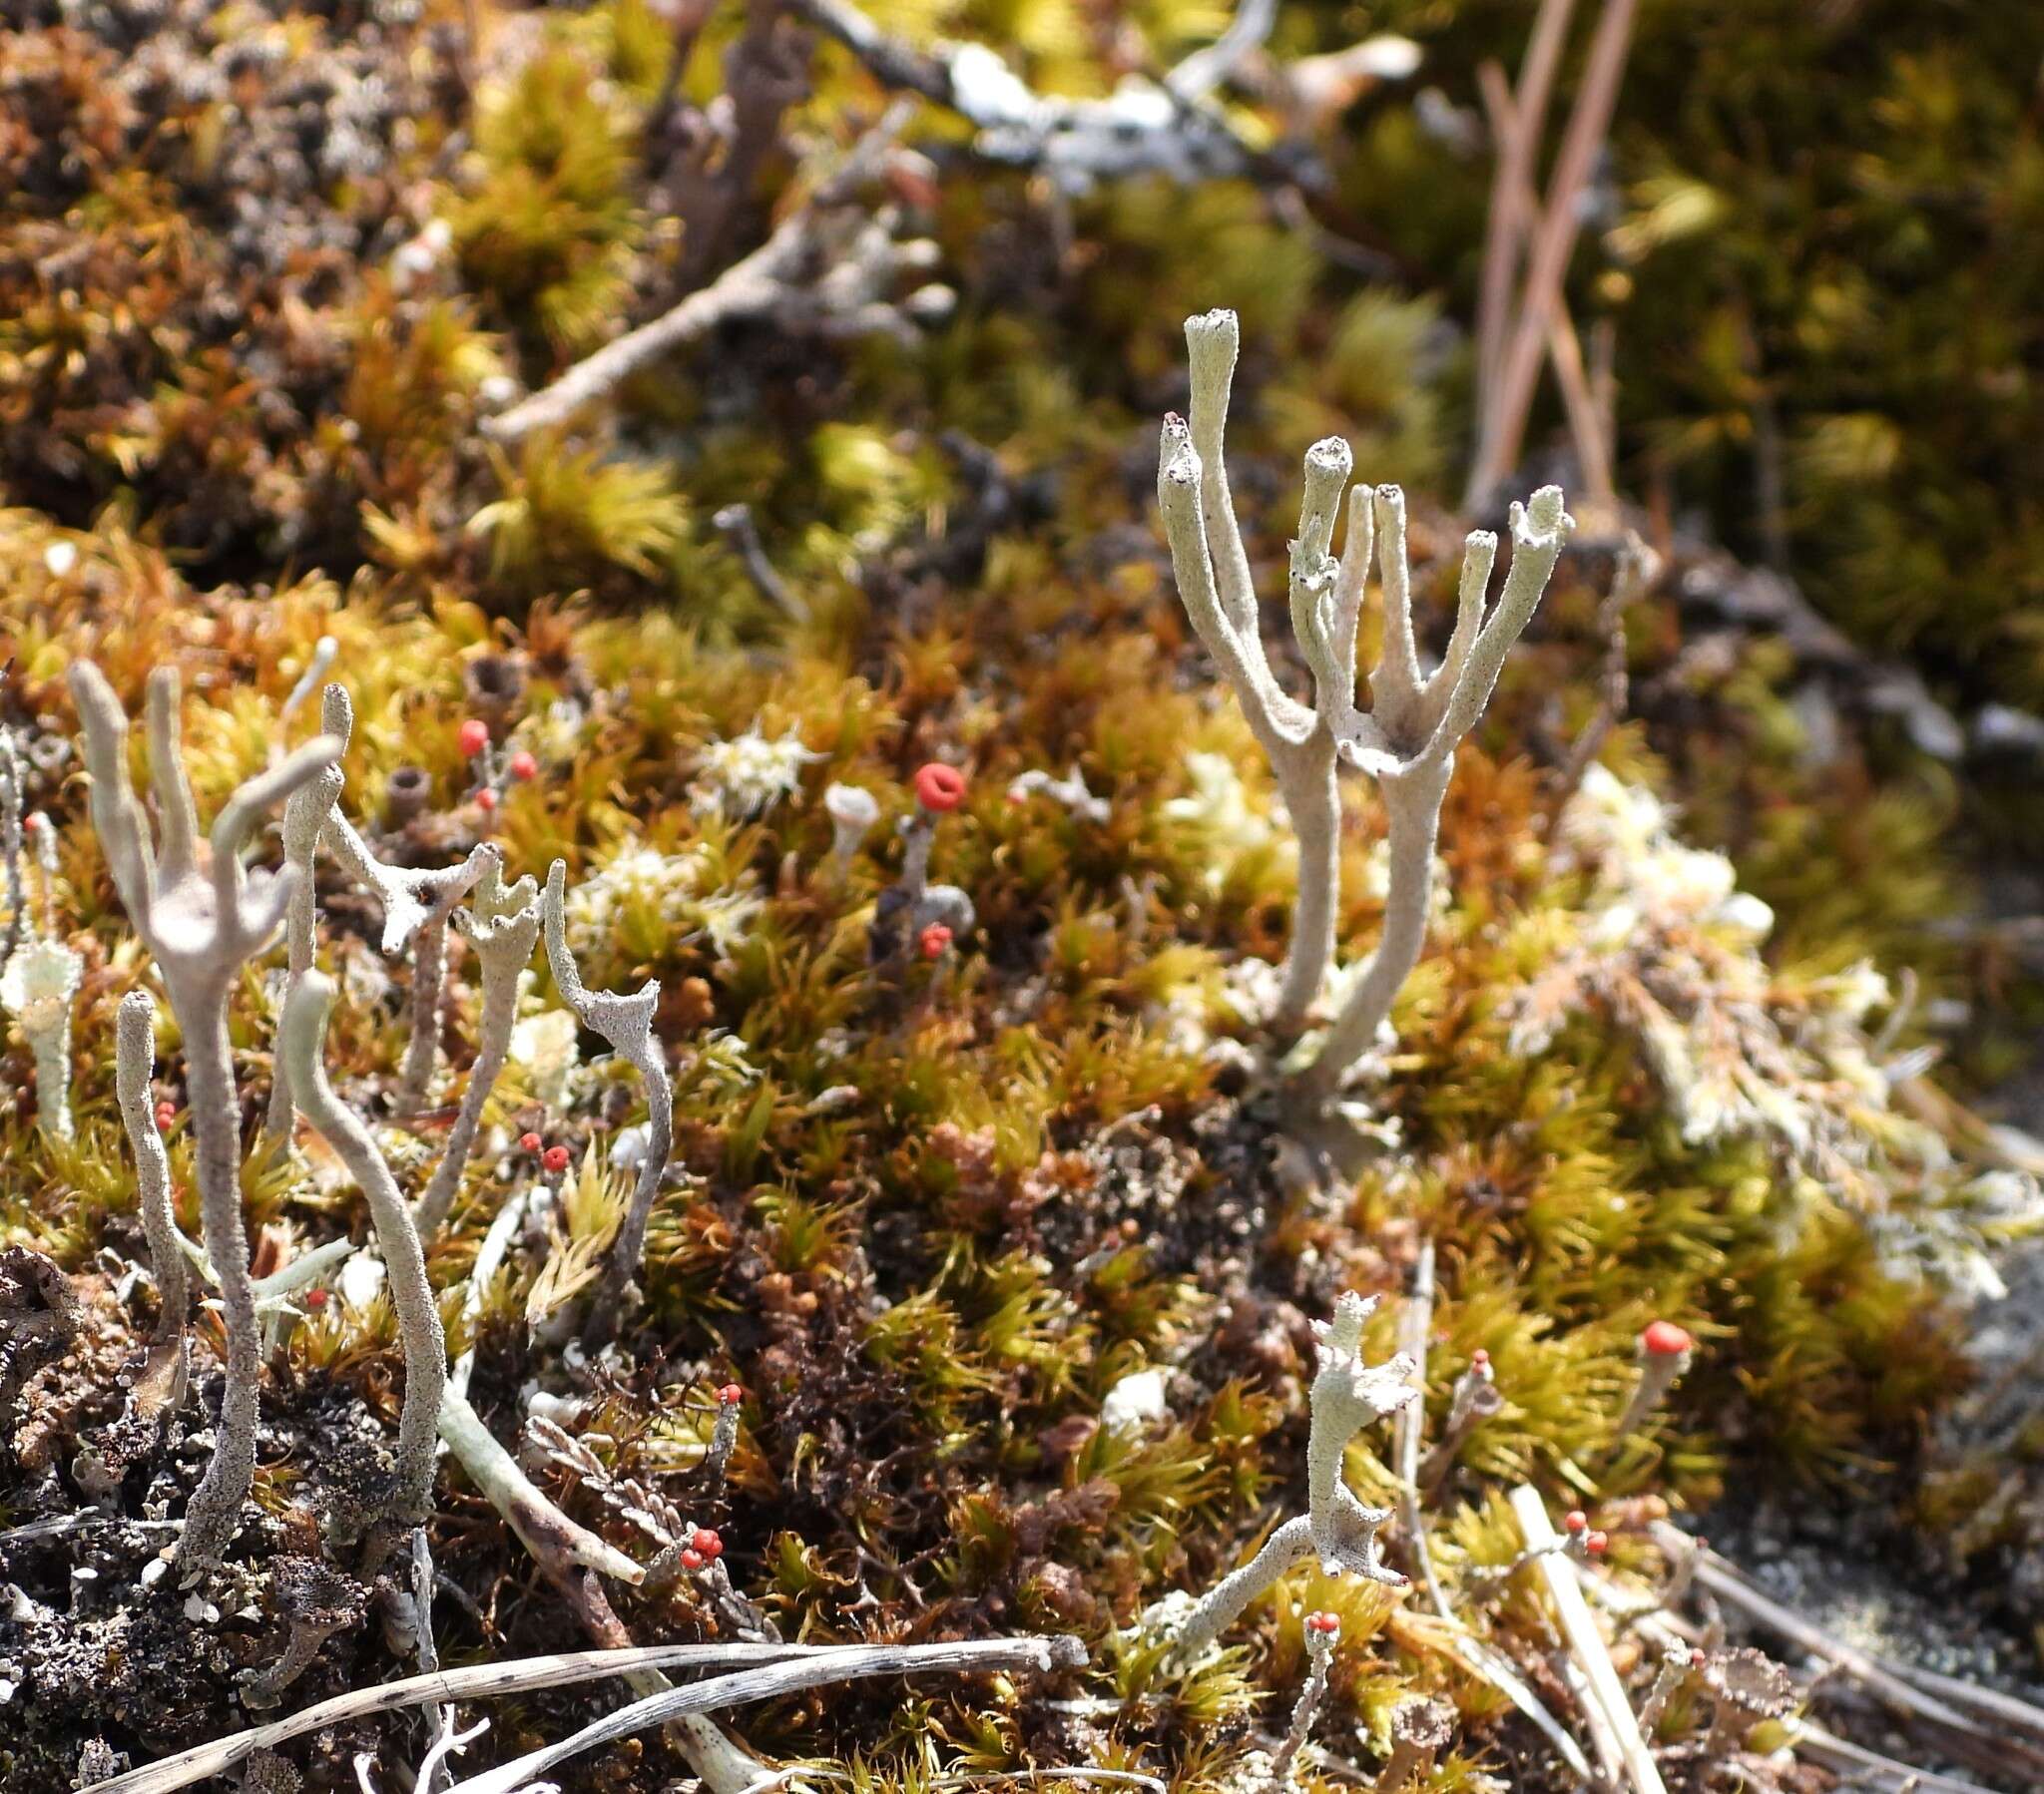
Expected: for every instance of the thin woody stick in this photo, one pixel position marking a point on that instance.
(1564, 349)
(758, 284)
(1552, 246)
(484, 1680)
(1514, 178)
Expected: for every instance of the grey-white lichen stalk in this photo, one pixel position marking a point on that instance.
(302, 1038)
(1408, 736)
(418, 903)
(304, 821)
(502, 925)
(202, 924)
(1346, 1396)
(852, 810)
(38, 989)
(134, 1061)
(1323, 1633)
(627, 1023)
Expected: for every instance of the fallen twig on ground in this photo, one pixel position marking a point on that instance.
(826, 270)
(1036, 1652)
(481, 1681)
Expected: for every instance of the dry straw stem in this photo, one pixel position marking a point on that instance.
(1415, 1328)
(627, 1023)
(202, 925)
(502, 925)
(1605, 1690)
(851, 1662)
(479, 1682)
(1512, 208)
(1346, 1396)
(1815, 1744)
(303, 1040)
(1408, 736)
(134, 1061)
(1587, 427)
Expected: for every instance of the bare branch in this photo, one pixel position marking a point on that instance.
(824, 270)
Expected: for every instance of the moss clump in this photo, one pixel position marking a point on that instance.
(942, 1218)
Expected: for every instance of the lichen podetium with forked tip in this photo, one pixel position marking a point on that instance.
(1347, 1395)
(1408, 736)
(302, 1039)
(202, 924)
(627, 1023)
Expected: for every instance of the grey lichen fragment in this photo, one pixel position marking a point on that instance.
(202, 922)
(313, 1602)
(1346, 1396)
(626, 1021)
(39, 988)
(502, 925)
(302, 1038)
(305, 815)
(134, 1061)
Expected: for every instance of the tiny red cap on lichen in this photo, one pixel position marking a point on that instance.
(523, 766)
(316, 1298)
(474, 736)
(1327, 1624)
(706, 1541)
(934, 940)
(938, 787)
(730, 1394)
(486, 799)
(693, 1560)
(1595, 1545)
(1575, 1520)
(1664, 1339)
(530, 1141)
(555, 1158)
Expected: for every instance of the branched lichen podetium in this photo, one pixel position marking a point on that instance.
(627, 1023)
(1408, 736)
(202, 926)
(302, 1038)
(1346, 1396)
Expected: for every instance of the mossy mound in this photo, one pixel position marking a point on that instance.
(941, 1214)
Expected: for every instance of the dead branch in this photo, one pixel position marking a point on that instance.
(826, 270)
(1504, 426)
